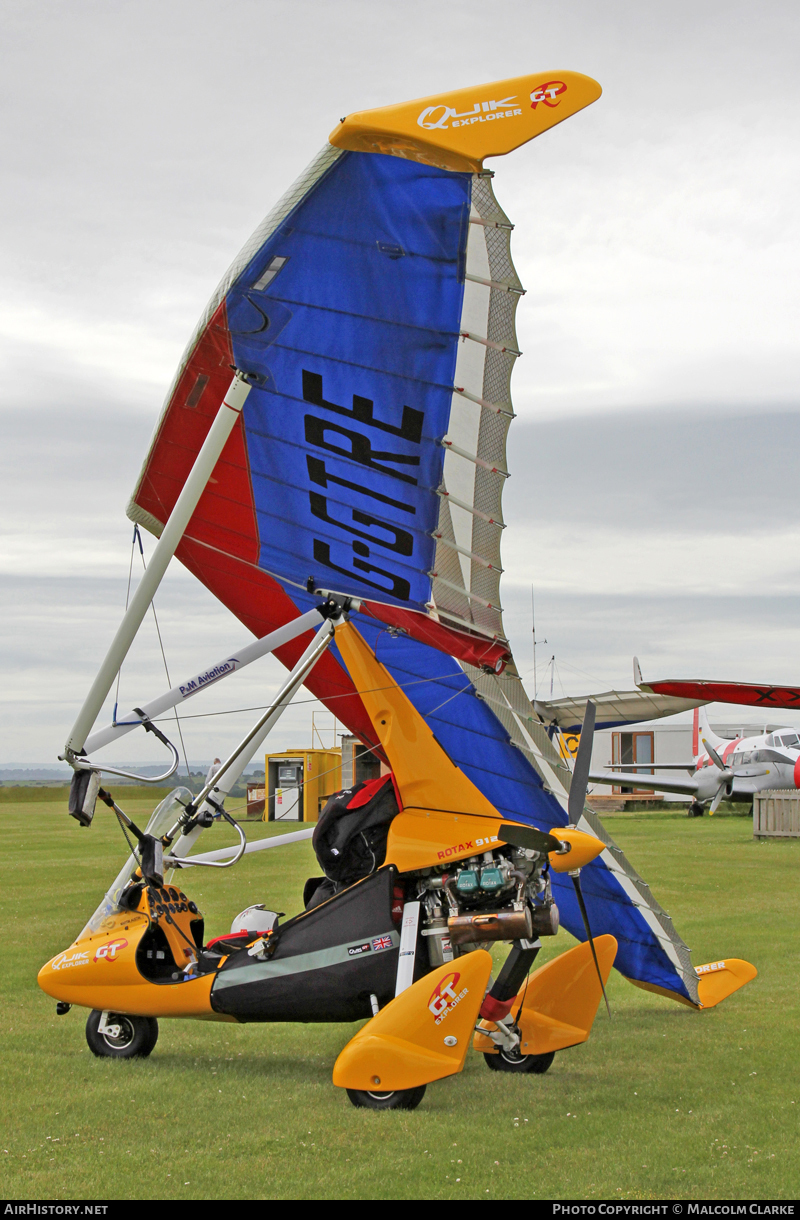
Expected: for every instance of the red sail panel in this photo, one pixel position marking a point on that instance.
(472, 649)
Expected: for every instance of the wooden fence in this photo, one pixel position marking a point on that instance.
(776, 814)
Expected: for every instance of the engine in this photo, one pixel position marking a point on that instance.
(503, 894)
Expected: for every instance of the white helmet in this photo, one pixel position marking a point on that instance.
(254, 919)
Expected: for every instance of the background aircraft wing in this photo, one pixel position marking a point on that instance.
(704, 690)
(613, 708)
(647, 767)
(654, 783)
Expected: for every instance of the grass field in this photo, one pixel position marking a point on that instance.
(662, 1102)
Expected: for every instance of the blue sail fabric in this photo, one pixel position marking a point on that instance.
(351, 395)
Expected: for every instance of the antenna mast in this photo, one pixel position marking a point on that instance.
(533, 629)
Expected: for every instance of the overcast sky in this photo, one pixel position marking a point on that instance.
(656, 459)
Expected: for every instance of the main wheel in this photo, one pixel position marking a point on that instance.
(124, 1038)
(400, 1099)
(512, 1061)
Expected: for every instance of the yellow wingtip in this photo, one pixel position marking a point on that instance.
(718, 980)
(457, 130)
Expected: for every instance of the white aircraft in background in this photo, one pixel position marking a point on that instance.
(731, 770)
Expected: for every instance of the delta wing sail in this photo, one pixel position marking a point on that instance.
(372, 315)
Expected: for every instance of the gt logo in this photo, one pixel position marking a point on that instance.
(109, 952)
(547, 93)
(443, 994)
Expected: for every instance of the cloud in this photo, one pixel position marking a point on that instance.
(674, 471)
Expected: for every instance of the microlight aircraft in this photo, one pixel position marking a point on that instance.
(329, 463)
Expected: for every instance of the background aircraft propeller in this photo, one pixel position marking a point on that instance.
(726, 776)
(714, 756)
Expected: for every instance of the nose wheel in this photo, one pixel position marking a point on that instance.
(113, 1035)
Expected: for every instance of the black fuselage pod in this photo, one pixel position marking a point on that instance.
(326, 964)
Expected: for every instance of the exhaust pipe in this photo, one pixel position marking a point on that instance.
(490, 925)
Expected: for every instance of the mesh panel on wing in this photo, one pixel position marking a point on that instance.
(448, 568)
(492, 448)
(483, 197)
(499, 246)
(496, 388)
(502, 315)
(497, 372)
(485, 582)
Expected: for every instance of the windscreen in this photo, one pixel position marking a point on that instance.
(161, 820)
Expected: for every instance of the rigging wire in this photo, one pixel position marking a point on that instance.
(124, 830)
(235, 711)
(575, 668)
(127, 600)
(526, 673)
(455, 696)
(137, 535)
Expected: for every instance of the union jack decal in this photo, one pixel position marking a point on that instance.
(382, 942)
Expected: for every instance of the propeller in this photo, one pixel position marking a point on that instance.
(583, 762)
(530, 838)
(714, 756)
(725, 777)
(577, 800)
(716, 801)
